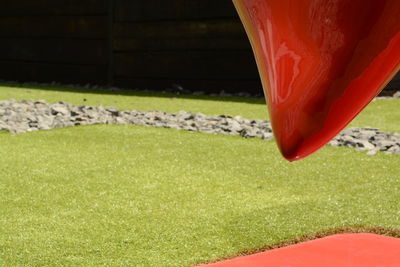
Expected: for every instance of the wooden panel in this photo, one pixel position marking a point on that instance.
(40, 72)
(180, 29)
(53, 7)
(184, 35)
(54, 26)
(138, 10)
(208, 86)
(187, 64)
(54, 50)
(165, 43)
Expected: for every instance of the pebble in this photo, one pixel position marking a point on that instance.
(30, 116)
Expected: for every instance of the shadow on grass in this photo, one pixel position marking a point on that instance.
(249, 100)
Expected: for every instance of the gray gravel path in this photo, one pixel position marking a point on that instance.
(28, 116)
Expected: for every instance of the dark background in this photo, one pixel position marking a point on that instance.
(137, 44)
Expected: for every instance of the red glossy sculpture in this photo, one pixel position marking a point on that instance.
(321, 62)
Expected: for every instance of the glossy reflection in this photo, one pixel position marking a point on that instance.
(321, 62)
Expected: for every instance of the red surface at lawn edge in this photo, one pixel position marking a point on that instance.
(384, 231)
(351, 250)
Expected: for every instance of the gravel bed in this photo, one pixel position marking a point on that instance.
(29, 116)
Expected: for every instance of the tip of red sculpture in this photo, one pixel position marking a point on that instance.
(321, 63)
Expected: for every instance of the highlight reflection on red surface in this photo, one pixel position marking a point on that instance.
(321, 62)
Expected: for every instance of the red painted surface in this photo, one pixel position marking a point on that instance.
(344, 250)
(321, 62)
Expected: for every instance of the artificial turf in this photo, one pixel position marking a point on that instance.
(111, 195)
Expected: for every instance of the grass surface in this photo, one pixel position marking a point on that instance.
(384, 115)
(137, 196)
(111, 195)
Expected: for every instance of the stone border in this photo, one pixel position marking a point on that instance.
(28, 116)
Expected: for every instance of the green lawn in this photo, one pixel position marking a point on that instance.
(138, 196)
(111, 195)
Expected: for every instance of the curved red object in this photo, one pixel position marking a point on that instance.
(321, 62)
(351, 250)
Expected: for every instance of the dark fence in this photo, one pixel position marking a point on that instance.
(54, 40)
(199, 45)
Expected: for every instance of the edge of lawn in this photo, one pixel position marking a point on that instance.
(384, 231)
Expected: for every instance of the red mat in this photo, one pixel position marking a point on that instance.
(346, 250)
